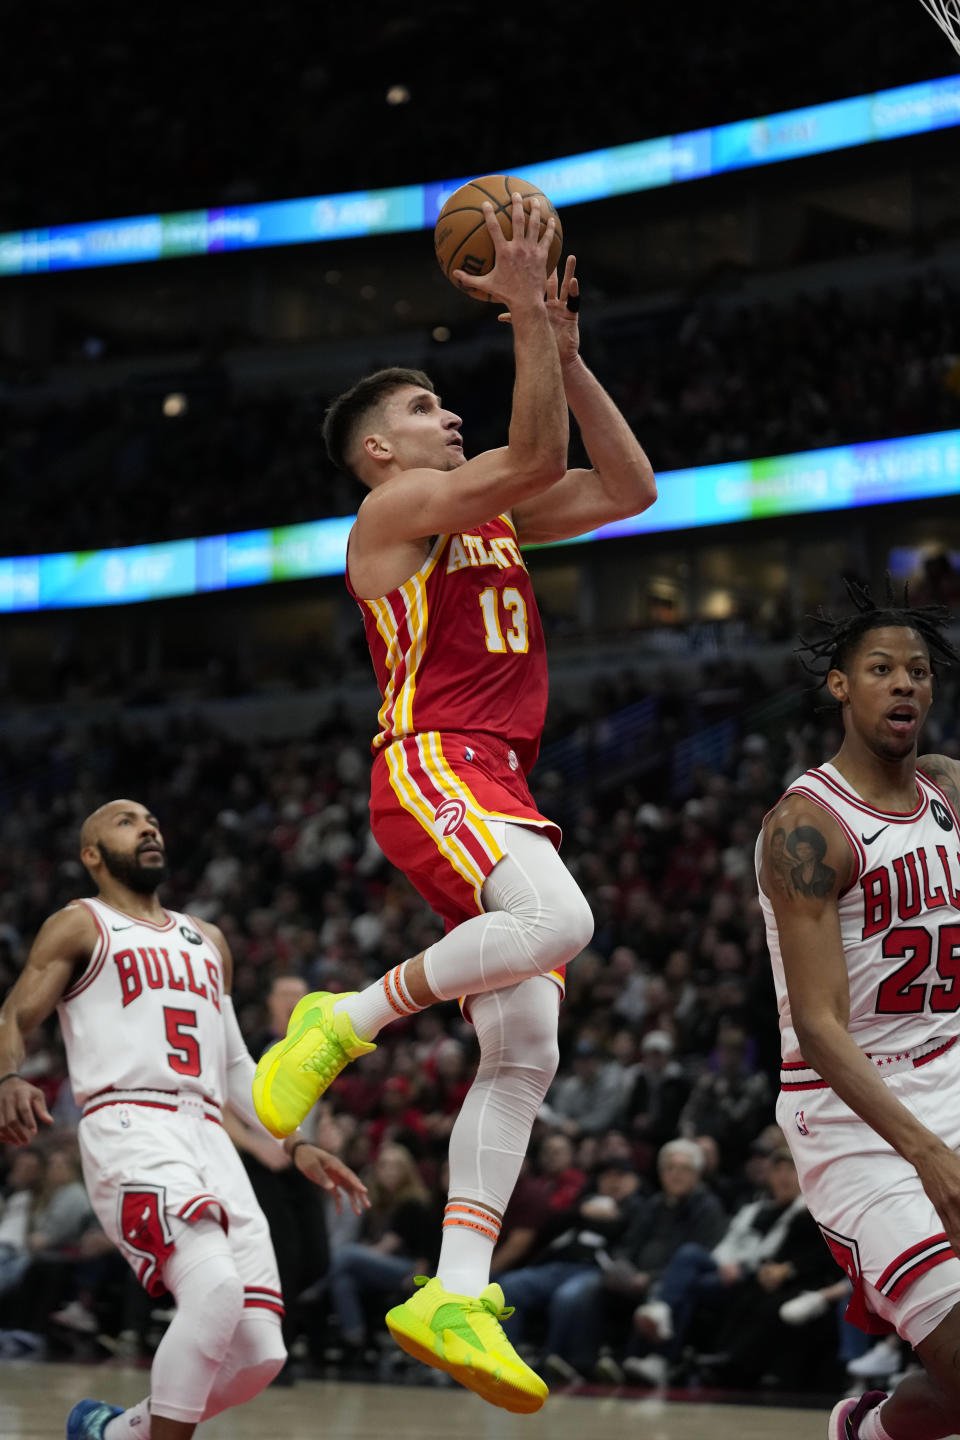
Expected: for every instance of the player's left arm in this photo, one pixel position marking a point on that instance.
(311, 1160)
(945, 772)
(622, 481)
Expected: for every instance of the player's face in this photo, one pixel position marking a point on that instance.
(420, 432)
(131, 848)
(886, 690)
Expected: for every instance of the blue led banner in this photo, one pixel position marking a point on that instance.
(917, 467)
(620, 170)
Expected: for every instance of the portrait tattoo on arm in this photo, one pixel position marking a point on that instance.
(798, 864)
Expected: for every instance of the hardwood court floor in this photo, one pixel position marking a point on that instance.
(35, 1399)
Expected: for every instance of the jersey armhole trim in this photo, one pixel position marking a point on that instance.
(98, 957)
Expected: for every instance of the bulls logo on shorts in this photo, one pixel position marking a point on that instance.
(941, 814)
(450, 816)
(145, 1230)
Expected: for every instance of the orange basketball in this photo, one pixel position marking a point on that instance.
(461, 238)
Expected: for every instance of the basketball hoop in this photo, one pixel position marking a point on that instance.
(947, 15)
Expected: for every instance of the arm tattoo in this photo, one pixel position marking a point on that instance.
(943, 772)
(797, 862)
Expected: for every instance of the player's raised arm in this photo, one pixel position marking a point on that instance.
(621, 481)
(806, 865)
(64, 942)
(422, 496)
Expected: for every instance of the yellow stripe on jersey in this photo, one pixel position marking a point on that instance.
(415, 594)
(413, 801)
(387, 629)
(396, 712)
(414, 598)
(447, 781)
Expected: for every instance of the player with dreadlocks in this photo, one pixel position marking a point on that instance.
(859, 875)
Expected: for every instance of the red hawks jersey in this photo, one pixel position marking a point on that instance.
(899, 917)
(459, 646)
(145, 1014)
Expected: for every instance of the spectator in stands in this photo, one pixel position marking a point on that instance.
(25, 1183)
(396, 1240)
(731, 1102)
(701, 1281)
(657, 1095)
(564, 1279)
(588, 1101)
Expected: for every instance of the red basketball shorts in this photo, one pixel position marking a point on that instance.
(435, 800)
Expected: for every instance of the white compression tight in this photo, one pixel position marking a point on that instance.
(536, 919)
(517, 1033)
(215, 1353)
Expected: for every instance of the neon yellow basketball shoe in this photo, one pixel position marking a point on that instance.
(295, 1072)
(464, 1337)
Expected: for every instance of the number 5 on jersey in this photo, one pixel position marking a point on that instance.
(184, 1054)
(515, 635)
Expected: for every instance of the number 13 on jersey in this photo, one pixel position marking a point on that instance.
(513, 634)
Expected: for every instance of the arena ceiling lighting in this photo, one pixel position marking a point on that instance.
(916, 467)
(620, 170)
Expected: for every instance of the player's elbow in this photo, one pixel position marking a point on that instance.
(540, 468)
(643, 487)
(814, 1032)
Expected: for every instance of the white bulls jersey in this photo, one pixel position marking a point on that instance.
(899, 918)
(145, 1013)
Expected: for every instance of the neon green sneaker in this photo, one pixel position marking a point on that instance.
(463, 1336)
(294, 1073)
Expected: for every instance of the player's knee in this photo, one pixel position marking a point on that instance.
(570, 928)
(222, 1307)
(539, 1049)
(266, 1354)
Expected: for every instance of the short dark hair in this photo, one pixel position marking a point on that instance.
(345, 413)
(836, 646)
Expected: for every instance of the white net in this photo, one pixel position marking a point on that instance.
(947, 15)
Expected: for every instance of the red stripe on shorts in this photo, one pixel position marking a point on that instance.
(924, 1255)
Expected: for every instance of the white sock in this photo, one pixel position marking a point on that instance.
(133, 1424)
(871, 1426)
(386, 999)
(470, 1232)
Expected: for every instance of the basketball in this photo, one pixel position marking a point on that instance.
(461, 238)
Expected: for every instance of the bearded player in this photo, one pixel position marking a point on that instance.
(435, 562)
(154, 1052)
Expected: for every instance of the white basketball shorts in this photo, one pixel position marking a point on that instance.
(158, 1159)
(868, 1201)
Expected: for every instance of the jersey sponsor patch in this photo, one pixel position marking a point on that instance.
(941, 814)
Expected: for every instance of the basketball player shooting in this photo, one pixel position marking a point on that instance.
(154, 1052)
(859, 876)
(434, 560)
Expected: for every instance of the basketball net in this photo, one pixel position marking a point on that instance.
(947, 15)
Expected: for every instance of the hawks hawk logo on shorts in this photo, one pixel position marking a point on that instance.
(450, 816)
